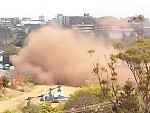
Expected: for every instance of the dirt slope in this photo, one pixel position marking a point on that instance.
(19, 97)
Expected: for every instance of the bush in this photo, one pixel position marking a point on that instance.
(10, 111)
(22, 90)
(31, 109)
(85, 96)
(41, 108)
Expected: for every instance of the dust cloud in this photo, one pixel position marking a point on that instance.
(112, 21)
(59, 56)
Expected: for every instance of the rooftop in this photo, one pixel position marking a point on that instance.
(32, 22)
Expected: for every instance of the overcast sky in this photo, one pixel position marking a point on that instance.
(49, 8)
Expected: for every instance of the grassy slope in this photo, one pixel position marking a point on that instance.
(18, 97)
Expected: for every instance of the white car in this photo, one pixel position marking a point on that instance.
(7, 66)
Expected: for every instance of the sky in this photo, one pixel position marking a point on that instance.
(96, 8)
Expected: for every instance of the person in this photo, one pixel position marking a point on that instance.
(59, 89)
(58, 94)
(42, 99)
(50, 94)
(29, 102)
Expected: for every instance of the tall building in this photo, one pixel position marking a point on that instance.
(60, 19)
(69, 21)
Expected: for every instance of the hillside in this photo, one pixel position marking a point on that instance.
(19, 97)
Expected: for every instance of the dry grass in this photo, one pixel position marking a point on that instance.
(19, 97)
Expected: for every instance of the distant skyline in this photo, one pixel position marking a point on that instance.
(96, 8)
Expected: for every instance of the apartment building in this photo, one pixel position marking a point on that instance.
(69, 21)
(9, 22)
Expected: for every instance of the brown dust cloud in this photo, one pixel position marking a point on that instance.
(59, 56)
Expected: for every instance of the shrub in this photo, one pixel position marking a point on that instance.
(10, 111)
(85, 96)
(41, 108)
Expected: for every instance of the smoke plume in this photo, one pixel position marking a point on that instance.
(59, 56)
(112, 21)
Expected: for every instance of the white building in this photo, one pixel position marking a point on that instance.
(42, 18)
(8, 22)
(84, 28)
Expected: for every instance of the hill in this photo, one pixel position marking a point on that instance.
(19, 97)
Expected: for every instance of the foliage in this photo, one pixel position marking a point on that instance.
(30, 77)
(47, 108)
(19, 42)
(107, 81)
(41, 108)
(85, 96)
(5, 81)
(91, 51)
(21, 34)
(9, 49)
(129, 98)
(31, 109)
(137, 24)
(137, 59)
(22, 90)
(10, 111)
(21, 80)
(1, 84)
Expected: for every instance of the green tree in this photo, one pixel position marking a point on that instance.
(31, 109)
(107, 81)
(10, 111)
(129, 98)
(88, 95)
(10, 50)
(19, 42)
(137, 60)
(5, 81)
(21, 37)
(41, 108)
(47, 108)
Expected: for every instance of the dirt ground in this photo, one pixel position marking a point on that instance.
(19, 97)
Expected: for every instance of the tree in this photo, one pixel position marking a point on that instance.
(85, 96)
(21, 37)
(10, 111)
(11, 50)
(19, 42)
(21, 34)
(41, 108)
(109, 88)
(8, 51)
(136, 57)
(5, 81)
(137, 23)
(137, 60)
(20, 79)
(129, 98)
